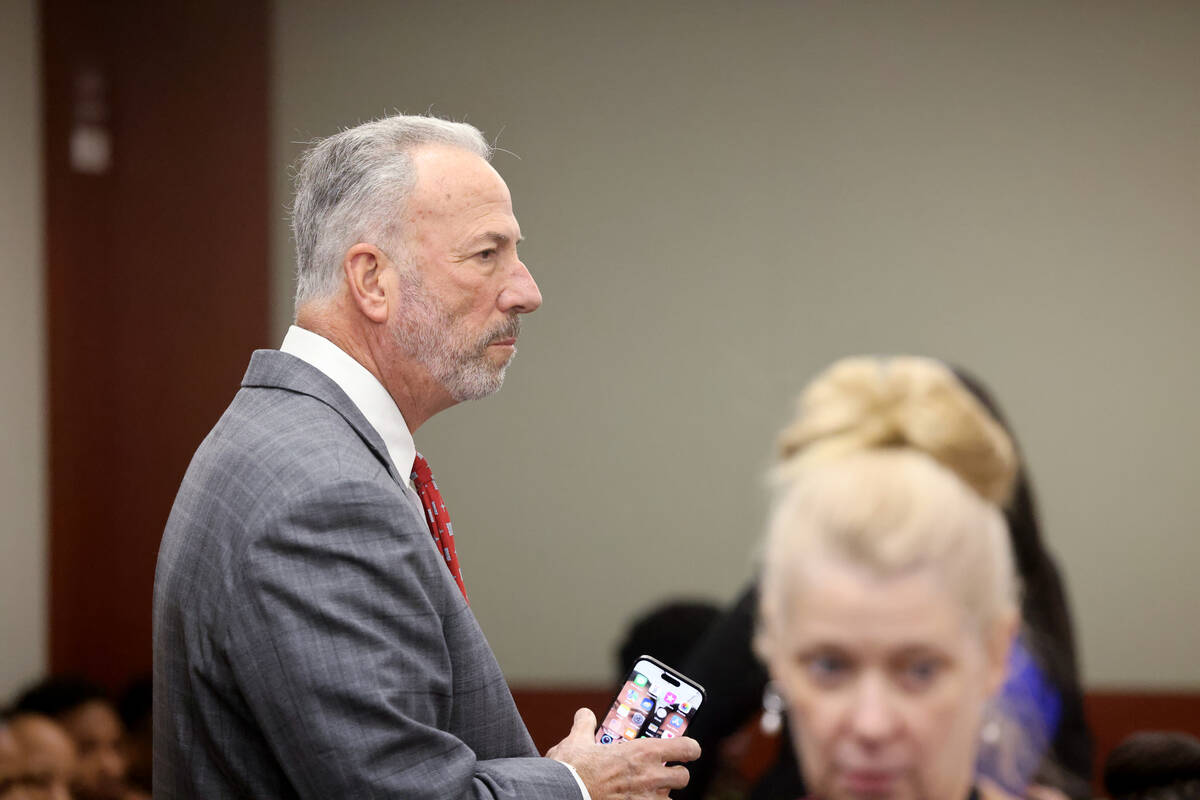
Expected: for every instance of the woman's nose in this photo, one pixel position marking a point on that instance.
(873, 716)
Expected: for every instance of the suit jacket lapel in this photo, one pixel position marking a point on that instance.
(276, 370)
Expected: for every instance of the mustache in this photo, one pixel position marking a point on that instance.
(509, 329)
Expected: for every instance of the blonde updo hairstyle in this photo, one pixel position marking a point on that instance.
(893, 465)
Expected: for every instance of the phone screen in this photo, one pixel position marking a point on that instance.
(654, 702)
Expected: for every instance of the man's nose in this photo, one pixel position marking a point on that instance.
(874, 717)
(520, 294)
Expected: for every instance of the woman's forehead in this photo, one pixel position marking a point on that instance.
(837, 603)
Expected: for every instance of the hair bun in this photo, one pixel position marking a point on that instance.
(865, 403)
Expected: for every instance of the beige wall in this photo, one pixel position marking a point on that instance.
(22, 349)
(720, 198)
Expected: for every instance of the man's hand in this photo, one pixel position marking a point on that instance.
(635, 770)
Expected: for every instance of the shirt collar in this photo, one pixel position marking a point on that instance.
(363, 389)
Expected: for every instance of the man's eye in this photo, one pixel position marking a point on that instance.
(487, 255)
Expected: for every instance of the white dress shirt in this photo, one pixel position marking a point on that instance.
(363, 389)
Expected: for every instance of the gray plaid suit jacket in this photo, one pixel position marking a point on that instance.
(308, 638)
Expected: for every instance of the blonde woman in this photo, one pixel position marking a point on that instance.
(889, 596)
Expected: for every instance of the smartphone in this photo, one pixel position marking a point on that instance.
(655, 702)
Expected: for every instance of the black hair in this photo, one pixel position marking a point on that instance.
(1048, 629)
(1154, 764)
(136, 702)
(59, 695)
(668, 632)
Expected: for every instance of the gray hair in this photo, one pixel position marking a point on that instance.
(353, 186)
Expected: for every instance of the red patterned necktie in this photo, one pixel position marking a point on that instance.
(437, 517)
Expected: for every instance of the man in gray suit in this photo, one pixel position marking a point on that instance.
(309, 638)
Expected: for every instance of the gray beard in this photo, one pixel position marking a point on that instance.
(427, 333)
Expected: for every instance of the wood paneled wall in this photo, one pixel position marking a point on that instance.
(157, 285)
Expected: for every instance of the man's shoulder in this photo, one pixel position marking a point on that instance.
(277, 460)
(281, 430)
(274, 445)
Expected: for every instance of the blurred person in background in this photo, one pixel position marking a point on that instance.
(11, 764)
(1154, 765)
(87, 714)
(1045, 657)
(50, 761)
(889, 593)
(134, 707)
(667, 632)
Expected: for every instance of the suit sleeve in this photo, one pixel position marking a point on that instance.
(338, 645)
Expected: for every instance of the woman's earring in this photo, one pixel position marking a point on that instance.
(772, 715)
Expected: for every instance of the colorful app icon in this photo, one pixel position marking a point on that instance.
(637, 719)
(685, 706)
(639, 679)
(648, 703)
(668, 733)
(660, 712)
(605, 738)
(631, 733)
(675, 721)
(623, 710)
(669, 698)
(633, 695)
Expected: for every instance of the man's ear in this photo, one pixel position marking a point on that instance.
(364, 266)
(999, 644)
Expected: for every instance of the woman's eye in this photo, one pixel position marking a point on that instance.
(828, 668)
(920, 674)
